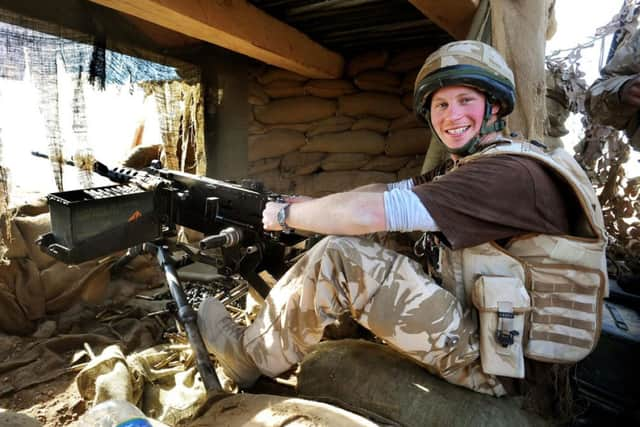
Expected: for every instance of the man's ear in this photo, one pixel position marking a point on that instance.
(495, 108)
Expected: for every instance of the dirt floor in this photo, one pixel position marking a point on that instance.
(56, 403)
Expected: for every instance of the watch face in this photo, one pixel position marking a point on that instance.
(282, 216)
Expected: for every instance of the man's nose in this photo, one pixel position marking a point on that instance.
(454, 112)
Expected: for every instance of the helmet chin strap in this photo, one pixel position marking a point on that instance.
(472, 145)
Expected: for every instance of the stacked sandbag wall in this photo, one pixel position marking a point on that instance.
(315, 137)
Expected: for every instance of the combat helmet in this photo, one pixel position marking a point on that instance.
(466, 63)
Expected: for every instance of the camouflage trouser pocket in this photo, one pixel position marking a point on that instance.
(502, 303)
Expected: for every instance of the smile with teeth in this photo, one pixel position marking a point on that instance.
(458, 131)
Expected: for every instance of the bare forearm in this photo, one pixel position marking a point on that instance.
(341, 213)
(370, 188)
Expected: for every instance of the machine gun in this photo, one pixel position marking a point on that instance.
(144, 208)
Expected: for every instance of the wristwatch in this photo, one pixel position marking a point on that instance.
(282, 216)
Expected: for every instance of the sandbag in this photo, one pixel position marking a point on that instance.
(301, 163)
(16, 246)
(299, 127)
(344, 161)
(324, 183)
(257, 95)
(407, 122)
(366, 377)
(273, 74)
(275, 182)
(22, 277)
(378, 81)
(65, 285)
(33, 207)
(358, 141)
(256, 128)
(284, 88)
(263, 165)
(13, 319)
(300, 109)
(263, 410)
(408, 59)
(371, 123)
(407, 100)
(329, 88)
(32, 227)
(371, 104)
(367, 61)
(409, 80)
(386, 164)
(274, 143)
(332, 124)
(405, 142)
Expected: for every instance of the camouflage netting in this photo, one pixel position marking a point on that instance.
(603, 151)
(39, 53)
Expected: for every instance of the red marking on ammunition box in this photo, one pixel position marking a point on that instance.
(135, 216)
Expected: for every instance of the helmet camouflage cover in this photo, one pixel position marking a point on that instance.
(467, 63)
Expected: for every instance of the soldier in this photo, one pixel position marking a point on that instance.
(502, 208)
(614, 99)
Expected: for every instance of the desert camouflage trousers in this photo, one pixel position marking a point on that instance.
(385, 292)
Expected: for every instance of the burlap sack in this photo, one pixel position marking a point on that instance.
(405, 142)
(142, 156)
(359, 141)
(329, 88)
(332, 124)
(324, 183)
(371, 378)
(257, 95)
(274, 143)
(371, 104)
(371, 123)
(273, 74)
(17, 248)
(386, 164)
(21, 296)
(263, 165)
(407, 172)
(64, 285)
(284, 88)
(301, 109)
(408, 59)
(344, 161)
(367, 61)
(409, 79)
(378, 81)
(407, 100)
(409, 121)
(299, 127)
(301, 163)
(12, 319)
(31, 227)
(263, 410)
(33, 207)
(256, 128)
(273, 181)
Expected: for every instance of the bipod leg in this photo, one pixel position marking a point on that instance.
(187, 316)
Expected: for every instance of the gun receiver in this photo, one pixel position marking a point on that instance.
(144, 208)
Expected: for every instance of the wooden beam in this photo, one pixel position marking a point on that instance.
(453, 16)
(238, 26)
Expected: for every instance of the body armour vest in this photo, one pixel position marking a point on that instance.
(538, 296)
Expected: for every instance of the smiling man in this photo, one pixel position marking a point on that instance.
(502, 209)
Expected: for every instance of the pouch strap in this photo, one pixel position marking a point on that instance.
(505, 331)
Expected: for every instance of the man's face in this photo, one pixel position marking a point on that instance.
(457, 113)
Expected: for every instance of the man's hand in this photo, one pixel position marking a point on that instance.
(630, 92)
(270, 216)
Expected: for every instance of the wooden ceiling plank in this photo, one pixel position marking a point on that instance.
(240, 27)
(453, 16)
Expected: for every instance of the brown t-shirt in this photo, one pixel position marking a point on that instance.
(495, 198)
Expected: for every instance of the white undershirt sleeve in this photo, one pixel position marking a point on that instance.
(405, 212)
(405, 184)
